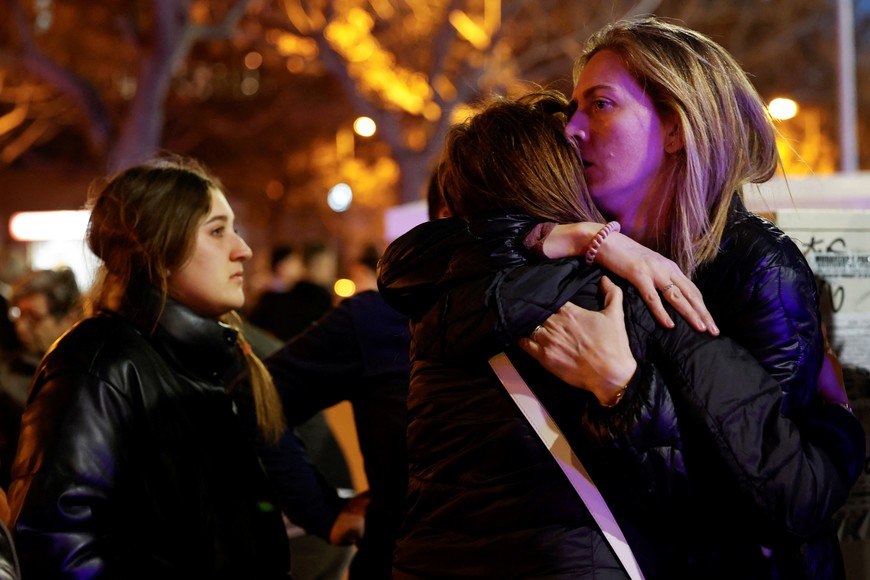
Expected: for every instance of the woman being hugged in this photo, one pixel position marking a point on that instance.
(133, 462)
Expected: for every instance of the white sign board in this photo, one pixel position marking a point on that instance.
(836, 243)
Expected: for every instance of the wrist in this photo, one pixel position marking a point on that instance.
(612, 227)
(612, 396)
(569, 239)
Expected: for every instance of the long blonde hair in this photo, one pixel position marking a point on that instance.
(729, 139)
(143, 225)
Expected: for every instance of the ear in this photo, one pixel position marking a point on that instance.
(673, 131)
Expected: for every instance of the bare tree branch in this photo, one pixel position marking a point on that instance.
(171, 41)
(65, 80)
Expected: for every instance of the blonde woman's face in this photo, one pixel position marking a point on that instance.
(619, 135)
(211, 281)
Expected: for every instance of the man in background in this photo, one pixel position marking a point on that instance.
(299, 294)
(43, 305)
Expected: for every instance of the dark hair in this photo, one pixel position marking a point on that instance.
(279, 253)
(59, 287)
(312, 250)
(370, 257)
(143, 224)
(513, 156)
(434, 196)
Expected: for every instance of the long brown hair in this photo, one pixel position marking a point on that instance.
(513, 156)
(143, 225)
(729, 139)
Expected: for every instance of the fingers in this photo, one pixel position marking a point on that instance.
(654, 303)
(685, 297)
(534, 349)
(612, 297)
(696, 300)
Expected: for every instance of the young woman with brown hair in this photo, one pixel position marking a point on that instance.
(133, 462)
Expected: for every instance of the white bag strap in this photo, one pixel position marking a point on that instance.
(555, 441)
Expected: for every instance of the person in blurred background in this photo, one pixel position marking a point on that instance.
(44, 305)
(289, 304)
(302, 295)
(314, 557)
(285, 269)
(358, 352)
(8, 340)
(363, 271)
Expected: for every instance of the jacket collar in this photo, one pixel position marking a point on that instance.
(419, 267)
(201, 347)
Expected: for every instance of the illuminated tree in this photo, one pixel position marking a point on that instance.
(113, 61)
(109, 82)
(414, 66)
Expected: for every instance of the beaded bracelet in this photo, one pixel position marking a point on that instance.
(599, 238)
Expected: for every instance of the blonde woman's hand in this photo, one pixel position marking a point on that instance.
(651, 273)
(585, 348)
(646, 270)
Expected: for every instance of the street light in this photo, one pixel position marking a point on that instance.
(782, 109)
(364, 127)
(339, 197)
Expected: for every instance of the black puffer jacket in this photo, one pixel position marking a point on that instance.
(762, 294)
(133, 463)
(486, 500)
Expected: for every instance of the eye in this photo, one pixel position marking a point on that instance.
(601, 104)
(218, 231)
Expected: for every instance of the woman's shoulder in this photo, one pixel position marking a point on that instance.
(754, 251)
(99, 331)
(98, 345)
(756, 261)
(753, 240)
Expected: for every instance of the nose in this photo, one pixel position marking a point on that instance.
(578, 126)
(242, 251)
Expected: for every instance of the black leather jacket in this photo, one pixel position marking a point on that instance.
(697, 449)
(133, 463)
